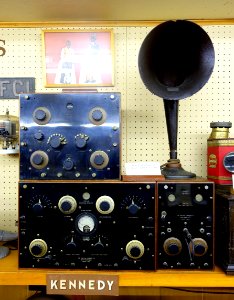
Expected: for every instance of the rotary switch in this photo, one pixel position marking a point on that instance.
(67, 204)
(198, 247)
(38, 204)
(39, 136)
(38, 208)
(38, 248)
(81, 140)
(105, 205)
(56, 140)
(133, 204)
(172, 246)
(71, 245)
(135, 249)
(68, 164)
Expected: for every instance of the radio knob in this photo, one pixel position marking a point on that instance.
(133, 208)
(198, 247)
(172, 246)
(81, 142)
(97, 115)
(37, 208)
(135, 249)
(39, 136)
(67, 204)
(99, 159)
(71, 245)
(55, 141)
(68, 164)
(105, 205)
(40, 114)
(38, 248)
(37, 159)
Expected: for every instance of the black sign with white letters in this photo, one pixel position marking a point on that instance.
(11, 87)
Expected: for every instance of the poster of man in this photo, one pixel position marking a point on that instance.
(78, 58)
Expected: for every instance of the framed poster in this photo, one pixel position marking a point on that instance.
(78, 58)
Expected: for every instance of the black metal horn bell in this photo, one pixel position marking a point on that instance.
(175, 61)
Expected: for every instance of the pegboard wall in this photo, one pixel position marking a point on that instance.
(144, 135)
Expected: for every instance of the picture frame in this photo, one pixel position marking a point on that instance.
(78, 58)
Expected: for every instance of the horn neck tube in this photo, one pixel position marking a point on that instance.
(171, 108)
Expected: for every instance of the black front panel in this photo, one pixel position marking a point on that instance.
(87, 225)
(224, 231)
(185, 225)
(70, 136)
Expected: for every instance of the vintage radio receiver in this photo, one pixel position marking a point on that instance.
(224, 231)
(70, 136)
(185, 225)
(87, 225)
(220, 154)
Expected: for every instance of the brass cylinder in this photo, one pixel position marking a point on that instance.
(220, 130)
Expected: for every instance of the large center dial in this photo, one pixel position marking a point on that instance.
(86, 223)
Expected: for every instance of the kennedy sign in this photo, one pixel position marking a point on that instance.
(10, 87)
(82, 284)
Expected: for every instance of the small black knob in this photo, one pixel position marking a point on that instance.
(55, 142)
(99, 159)
(37, 159)
(36, 250)
(71, 246)
(172, 246)
(68, 165)
(173, 249)
(135, 251)
(66, 206)
(97, 115)
(37, 208)
(104, 206)
(40, 115)
(99, 247)
(38, 136)
(133, 209)
(48, 258)
(199, 249)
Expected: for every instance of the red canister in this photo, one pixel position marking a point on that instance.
(220, 154)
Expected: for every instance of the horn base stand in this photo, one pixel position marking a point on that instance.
(173, 170)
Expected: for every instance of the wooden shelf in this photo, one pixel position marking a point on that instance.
(11, 275)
